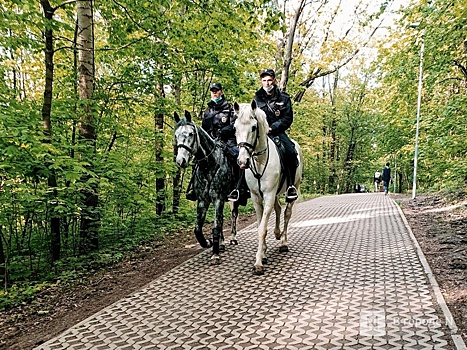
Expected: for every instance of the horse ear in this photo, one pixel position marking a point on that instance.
(188, 116)
(176, 117)
(253, 104)
(236, 107)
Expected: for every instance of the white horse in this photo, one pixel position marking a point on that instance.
(259, 155)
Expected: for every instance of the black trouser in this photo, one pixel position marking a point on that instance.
(290, 158)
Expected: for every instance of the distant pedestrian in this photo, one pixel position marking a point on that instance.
(377, 180)
(386, 178)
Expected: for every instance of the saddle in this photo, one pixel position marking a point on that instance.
(282, 154)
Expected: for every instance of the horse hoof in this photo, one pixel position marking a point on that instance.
(233, 242)
(222, 248)
(264, 261)
(277, 235)
(258, 271)
(283, 249)
(215, 260)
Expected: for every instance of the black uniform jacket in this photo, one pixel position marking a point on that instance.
(278, 109)
(218, 121)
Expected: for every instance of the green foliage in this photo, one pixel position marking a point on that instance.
(152, 59)
(442, 156)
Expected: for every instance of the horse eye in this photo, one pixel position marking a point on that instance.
(253, 128)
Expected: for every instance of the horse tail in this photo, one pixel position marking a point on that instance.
(201, 240)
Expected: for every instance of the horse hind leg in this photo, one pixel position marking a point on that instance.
(217, 231)
(233, 233)
(287, 215)
(221, 242)
(277, 210)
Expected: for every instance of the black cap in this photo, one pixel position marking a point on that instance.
(215, 86)
(267, 71)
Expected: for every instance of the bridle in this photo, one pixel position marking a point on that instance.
(193, 150)
(250, 149)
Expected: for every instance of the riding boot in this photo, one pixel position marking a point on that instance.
(291, 192)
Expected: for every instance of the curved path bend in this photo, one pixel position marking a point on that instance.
(354, 278)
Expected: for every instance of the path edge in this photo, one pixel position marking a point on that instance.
(457, 338)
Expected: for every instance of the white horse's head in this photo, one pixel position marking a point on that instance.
(186, 139)
(251, 129)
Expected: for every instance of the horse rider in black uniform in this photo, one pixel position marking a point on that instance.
(278, 108)
(218, 121)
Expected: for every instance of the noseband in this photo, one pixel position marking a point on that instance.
(181, 145)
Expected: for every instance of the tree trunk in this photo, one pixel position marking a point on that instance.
(159, 144)
(289, 46)
(85, 46)
(55, 246)
(399, 181)
(3, 262)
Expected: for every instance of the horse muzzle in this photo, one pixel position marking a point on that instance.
(182, 162)
(244, 164)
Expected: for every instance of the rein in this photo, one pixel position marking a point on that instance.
(193, 153)
(198, 142)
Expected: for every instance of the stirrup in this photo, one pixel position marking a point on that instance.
(234, 196)
(291, 194)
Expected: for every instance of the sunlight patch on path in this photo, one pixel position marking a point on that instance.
(334, 220)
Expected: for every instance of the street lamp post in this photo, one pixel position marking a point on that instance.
(419, 101)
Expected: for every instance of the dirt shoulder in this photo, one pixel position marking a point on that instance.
(440, 227)
(439, 224)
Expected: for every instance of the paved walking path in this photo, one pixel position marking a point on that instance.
(353, 279)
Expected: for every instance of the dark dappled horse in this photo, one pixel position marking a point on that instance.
(259, 155)
(213, 179)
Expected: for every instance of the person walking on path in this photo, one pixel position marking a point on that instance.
(386, 178)
(377, 180)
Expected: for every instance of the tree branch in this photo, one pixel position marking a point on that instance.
(462, 68)
(63, 4)
(318, 72)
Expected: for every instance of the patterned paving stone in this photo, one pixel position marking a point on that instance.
(351, 280)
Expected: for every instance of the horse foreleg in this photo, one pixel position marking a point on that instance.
(262, 232)
(277, 210)
(217, 231)
(201, 211)
(233, 232)
(287, 215)
(258, 204)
